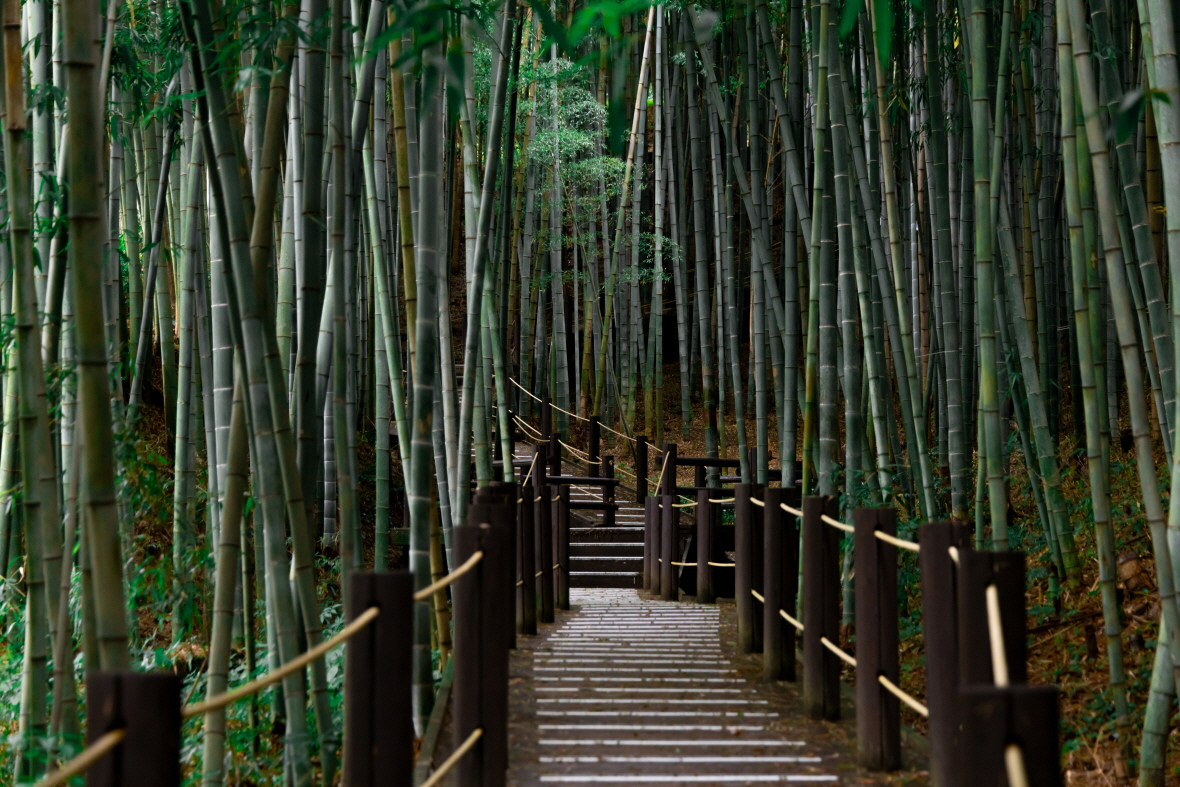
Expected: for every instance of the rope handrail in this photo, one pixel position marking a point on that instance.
(721, 565)
(529, 474)
(681, 564)
(277, 674)
(521, 422)
(791, 511)
(1014, 764)
(954, 553)
(827, 643)
(757, 502)
(449, 762)
(836, 523)
(897, 542)
(719, 500)
(897, 691)
(434, 587)
(663, 467)
(995, 630)
(757, 595)
(84, 759)
(580, 454)
(684, 505)
(620, 434)
(790, 619)
(551, 404)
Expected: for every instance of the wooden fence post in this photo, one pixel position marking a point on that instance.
(878, 712)
(496, 503)
(773, 657)
(657, 542)
(821, 609)
(543, 528)
(595, 440)
(608, 490)
(991, 718)
(748, 617)
(526, 572)
(977, 570)
(941, 632)
(704, 512)
(561, 547)
(481, 653)
(668, 463)
(640, 468)
(648, 543)
(669, 540)
(147, 706)
(378, 719)
(546, 418)
(555, 453)
(780, 577)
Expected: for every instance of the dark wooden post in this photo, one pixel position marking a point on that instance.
(481, 655)
(821, 609)
(743, 575)
(378, 719)
(608, 490)
(780, 538)
(669, 540)
(147, 706)
(649, 518)
(940, 629)
(668, 463)
(991, 718)
(561, 547)
(772, 569)
(640, 468)
(496, 504)
(526, 572)
(704, 512)
(543, 541)
(595, 440)
(698, 476)
(555, 454)
(657, 542)
(546, 418)
(977, 570)
(878, 712)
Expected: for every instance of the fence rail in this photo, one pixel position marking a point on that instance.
(973, 619)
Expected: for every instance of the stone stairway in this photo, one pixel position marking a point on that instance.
(603, 556)
(626, 690)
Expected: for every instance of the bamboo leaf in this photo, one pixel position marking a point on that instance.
(848, 16)
(883, 16)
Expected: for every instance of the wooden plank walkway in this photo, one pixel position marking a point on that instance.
(626, 690)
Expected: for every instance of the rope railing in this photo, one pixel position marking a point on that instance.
(577, 452)
(719, 500)
(790, 619)
(684, 505)
(449, 762)
(529, 474)
(836, 523)
(900, 543)
(277, 674)
(663, 467)
(434, 587)
(790, 510)
(827, 643)
(721, 565)
(84, 759)
(897, 691)
(757, 502)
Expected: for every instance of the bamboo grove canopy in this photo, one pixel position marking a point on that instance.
(278, 278)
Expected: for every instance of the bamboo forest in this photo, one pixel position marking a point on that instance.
(287, 286)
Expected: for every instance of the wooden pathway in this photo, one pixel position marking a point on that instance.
(626, 690)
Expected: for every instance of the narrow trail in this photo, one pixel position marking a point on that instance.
(625, 690)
